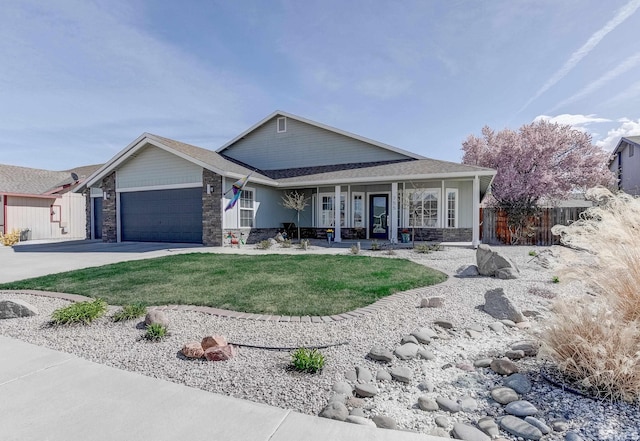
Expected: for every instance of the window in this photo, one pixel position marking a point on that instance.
(358, 210)
(247, 211)
(327, 213)
(452, 208)
(423, 208)
(282, 124)
(631, 152)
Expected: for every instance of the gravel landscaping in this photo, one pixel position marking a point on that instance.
(449, 377)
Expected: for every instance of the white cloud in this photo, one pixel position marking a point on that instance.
(625, 96)
(627, 127)
(623, 67)
(625, 12)
(578, 121)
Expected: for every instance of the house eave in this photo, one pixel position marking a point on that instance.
(386, 179)
(33, 196)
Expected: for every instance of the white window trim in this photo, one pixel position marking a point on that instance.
(407, 216)
(631, 150)
(456, 212)
(284, 121)
(364, 209)
(343, 195)
(253, 209)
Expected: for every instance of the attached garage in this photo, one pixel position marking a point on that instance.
(162, 215)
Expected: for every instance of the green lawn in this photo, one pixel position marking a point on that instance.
(269, 284)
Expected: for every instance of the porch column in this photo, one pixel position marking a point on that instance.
(476, 212)
(393, 219)
(336, 210)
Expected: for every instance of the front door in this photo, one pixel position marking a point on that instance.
(378, 215)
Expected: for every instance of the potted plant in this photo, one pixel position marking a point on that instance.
(329, 235)
(405, 236)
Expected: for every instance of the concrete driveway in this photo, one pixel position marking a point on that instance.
(33, 259)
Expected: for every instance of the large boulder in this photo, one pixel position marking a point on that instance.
(16, 309)
(220, 353)
(192, 349)
(156, 316)
(500, 307)
(213, 341)
(489, 262)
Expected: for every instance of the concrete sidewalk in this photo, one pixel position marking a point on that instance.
(50, 395)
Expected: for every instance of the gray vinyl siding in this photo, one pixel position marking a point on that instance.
(629, 168)
(152, 167)
(303, 145)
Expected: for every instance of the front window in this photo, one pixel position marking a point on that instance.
(247, 210)
(327, 210)
(452, 208)
(358, 210)
(423, 208)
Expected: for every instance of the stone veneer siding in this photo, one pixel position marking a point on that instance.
(87, 214)
(211, 209)
(442, 234)
(109, 215)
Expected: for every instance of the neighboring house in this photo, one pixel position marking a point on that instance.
(40, 204)
(157, 189)
(625, 163)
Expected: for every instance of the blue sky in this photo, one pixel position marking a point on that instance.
(80, 80)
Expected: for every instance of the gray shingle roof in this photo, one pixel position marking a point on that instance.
(418, 167)
(209, 157)
(33, 181)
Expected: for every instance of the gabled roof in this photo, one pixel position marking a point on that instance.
(320, 125)
(205, 158)
(37, 182)
(628, 139)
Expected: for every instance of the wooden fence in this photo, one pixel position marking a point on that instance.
(496, 231)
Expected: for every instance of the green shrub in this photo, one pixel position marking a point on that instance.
(555, 279)
(82, 312)
(263, 245)
(426, 248)
(533, 253)
(286, 243)
(130, 312)
(155, 332)
(304, 244)
(307, 360)
(375, 246)
(355, 249)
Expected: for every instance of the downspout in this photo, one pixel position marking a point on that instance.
(4, 211)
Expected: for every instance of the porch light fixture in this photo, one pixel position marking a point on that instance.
(208, 188)
(105, 195)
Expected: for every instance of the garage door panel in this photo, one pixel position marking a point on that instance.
(162, 215)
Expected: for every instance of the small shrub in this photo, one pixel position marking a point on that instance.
(11, 238)
(555, 279)
(286, 243)
(304, 244)
(375, 246)
(426, 248)
(307, 360)
(355, 249)
(130, 312)
(263, 245)
(82, 312)
(533, 253)
(155, 332)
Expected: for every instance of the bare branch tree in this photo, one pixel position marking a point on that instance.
(295, 201)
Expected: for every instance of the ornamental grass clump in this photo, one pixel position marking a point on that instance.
(82, 312)
(307, 360)
(155, 332)
(130, 312)
(594, 339)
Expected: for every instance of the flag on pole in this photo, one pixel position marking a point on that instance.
(237, 191)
